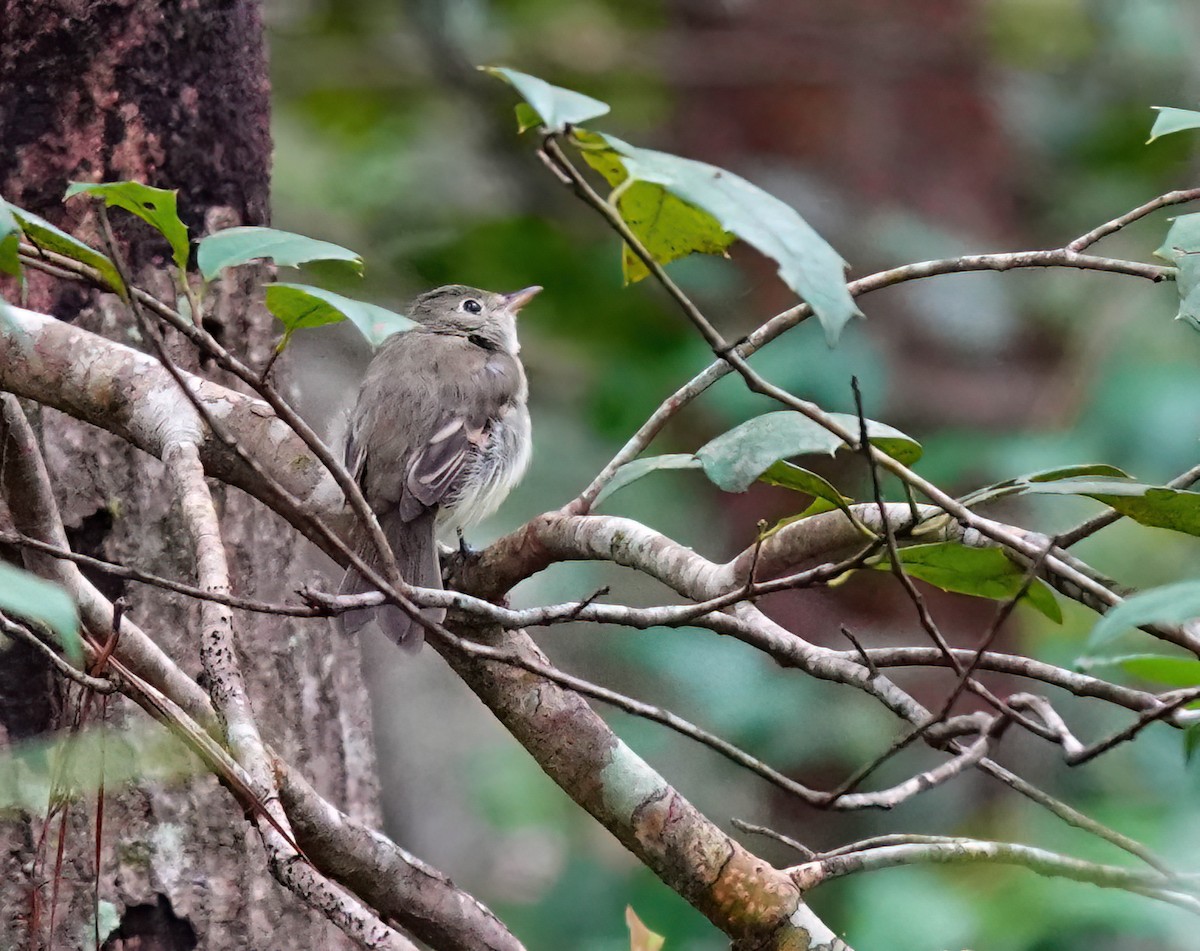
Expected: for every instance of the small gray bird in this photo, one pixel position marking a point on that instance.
(439, 437)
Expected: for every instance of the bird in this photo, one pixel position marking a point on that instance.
(439, 435)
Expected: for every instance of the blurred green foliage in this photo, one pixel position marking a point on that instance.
(389, 142)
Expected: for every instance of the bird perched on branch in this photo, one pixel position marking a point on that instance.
(439, 436)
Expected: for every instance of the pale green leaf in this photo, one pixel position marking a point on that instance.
(300, 305)
(77, 764)
(1172, 672)
(982, 572)
(1187, 282)
(1183, 237)
(1023, 483)
(734, 460)
(1170, 604)
(155, 206)
(1170, 119)
(235, 246)
(1155, 506)
(26, 596)
(807, 263)
(556, 107)
(1191, 740)
(632, 471)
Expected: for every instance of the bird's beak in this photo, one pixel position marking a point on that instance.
(517, 299)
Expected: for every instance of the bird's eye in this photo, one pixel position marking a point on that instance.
(471, 306)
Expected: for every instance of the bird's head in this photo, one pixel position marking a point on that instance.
(488, 315)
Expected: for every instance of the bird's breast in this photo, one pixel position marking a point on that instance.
(495, 467)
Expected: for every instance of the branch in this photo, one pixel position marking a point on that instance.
(1067, 256)
(972, 851)
(151, 678)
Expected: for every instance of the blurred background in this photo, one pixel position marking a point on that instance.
(902, 132)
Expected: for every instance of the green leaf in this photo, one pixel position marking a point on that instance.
(155, 206)
(982, 572)
(10, 238)
(27, 596)
(1182, 237)
(734, 460)
(818, 507)
(1072, 472)
(75, 765)
(801, 480)
(1187, 283)
(556, 107)
(1170, 119)
(41, 234)
(527, 117)
(632, 471)
(1172, 672)
(235, 246)
(667, 226)
(1155, 506)
(807, 263)
(1191, 739)
(1169, 604)
(1023, 483)
(299, 305)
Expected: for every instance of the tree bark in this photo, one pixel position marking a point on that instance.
(173, 94)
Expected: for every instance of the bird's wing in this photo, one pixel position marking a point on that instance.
(437, 466)
(447, 419)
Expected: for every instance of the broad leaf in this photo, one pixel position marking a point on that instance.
(1187, 283)
(983, 572)
(807, 263)
(10, 238)
(632, 471)
(734, 460)
(77, 764)
(667, 226)
(155, 206)
(1191, 740)
(641, 938)
(1171, 604)
(801, 480)
(299, 305)
(1182, 237)
(27, 596)
(556, 107)
(818, 507)
(1152, 505)
(41, 234)
(235, 246)
(1073, 472)
(1023, 483)
(1172, 672)
(1170, 119)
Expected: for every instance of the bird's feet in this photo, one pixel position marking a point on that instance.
(455, 561)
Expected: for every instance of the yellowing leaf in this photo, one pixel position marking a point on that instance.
(641, 938)
(667, 226)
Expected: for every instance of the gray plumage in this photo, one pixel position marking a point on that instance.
(439, 436)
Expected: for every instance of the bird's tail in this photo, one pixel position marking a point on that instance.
(415, 548)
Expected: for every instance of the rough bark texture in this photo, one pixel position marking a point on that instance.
(173, 94)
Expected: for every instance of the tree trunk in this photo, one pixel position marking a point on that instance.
(173, 94)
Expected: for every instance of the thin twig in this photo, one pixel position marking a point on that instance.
(772, 834)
